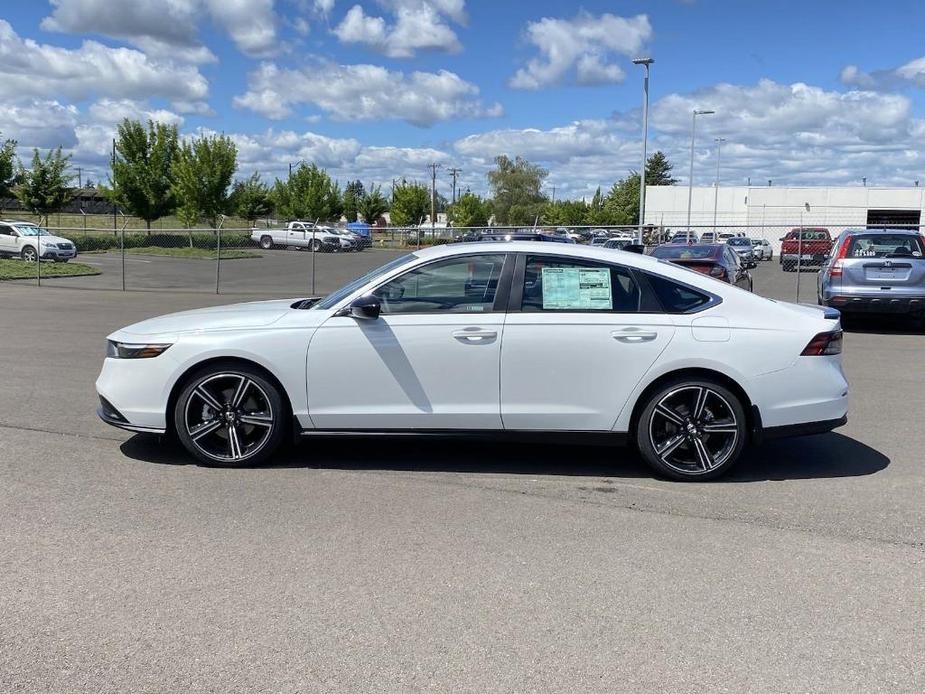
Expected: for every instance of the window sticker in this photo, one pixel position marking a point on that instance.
(577, 289)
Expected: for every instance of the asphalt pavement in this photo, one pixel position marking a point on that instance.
(406, 565)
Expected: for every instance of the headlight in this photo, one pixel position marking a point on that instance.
(125, 350)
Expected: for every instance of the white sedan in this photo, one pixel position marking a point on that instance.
(490, 338)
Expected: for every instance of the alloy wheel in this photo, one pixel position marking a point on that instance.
(693, 430)
(29, 255)
(228, 417)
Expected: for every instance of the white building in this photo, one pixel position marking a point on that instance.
(768, 211)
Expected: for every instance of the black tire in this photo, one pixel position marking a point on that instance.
(29, 254)
(220, 432)
(687, 446)
(266, 242)
(317, 246)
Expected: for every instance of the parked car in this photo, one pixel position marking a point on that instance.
(363, 231)
(743, 247)
(875, 271)
(619, 243)
(357, 242)
(234, 396)
(30, 241)
(716, 260)
(807, 248)
(762, 248)
(299, 234)
(685, 237)
(524, 235)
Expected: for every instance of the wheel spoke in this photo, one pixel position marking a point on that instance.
(669, 446)
(719, 428)
(208, 397)
(700, 402)
(257, 419)
(234, 443)
(201, 430)
(703, 454)
(668, 414)
(241, 390)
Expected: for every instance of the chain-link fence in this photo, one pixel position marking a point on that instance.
(784, 259)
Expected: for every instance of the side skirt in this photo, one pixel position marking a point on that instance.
(584, 438)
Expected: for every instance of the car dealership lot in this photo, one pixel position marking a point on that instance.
(399, 564)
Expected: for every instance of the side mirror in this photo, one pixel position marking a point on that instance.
(364, 308)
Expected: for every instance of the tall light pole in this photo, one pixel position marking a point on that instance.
(645, 62)
(690, 181)
(719, 150)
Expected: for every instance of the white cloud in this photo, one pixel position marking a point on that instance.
(114, 111)
(364, 92)
(418, 25)
(168, 28)
(910, 74)
(584, 45)
(324, 7)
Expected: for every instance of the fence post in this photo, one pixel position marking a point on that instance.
(122, 251)
(218, 258)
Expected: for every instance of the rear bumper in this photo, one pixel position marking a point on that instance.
(882, 303)
(803, 429)
(794, 259)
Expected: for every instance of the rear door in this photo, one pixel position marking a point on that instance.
(8, 240)
(578, 337)
(892, 263)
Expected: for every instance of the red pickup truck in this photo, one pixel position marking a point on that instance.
(809, 251)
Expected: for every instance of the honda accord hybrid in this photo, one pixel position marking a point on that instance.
(503, 339)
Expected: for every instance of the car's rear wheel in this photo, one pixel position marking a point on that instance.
(317, 245)
(692, 429)
(230, 415)
(29, 254)
(266, 242)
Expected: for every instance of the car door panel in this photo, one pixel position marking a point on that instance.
(430, 361)
(571, 369)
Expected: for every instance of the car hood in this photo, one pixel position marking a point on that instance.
(257, 314)
(53, 239)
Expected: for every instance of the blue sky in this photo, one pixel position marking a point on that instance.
(805, 92)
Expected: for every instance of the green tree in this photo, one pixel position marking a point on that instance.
(565, 213)
(142, 173)
(202, 172)
(410, 204)
(621, 206)
(372, 205)
(308, 193)
(353, 194)
(250, 198)
(516, 187)
(44, 188)
(658, 170)
(7, 167)
(469, 211)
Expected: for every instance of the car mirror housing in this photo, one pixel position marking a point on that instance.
(364, 308)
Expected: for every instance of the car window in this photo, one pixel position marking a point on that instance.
(675, 297)
(5, 231)
(884, 245)
(338, 295)
(464, 284)
(557, 284)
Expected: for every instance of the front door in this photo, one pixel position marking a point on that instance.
(430, 361)
(584, 337)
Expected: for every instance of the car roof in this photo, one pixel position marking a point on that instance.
(882, 230)
(544, 247)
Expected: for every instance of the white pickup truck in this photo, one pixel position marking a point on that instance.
(298, 234)
(29, 241)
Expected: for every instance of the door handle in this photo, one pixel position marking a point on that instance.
(475, 336)
(633, 335)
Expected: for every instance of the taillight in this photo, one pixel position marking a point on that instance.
(824, 345)
(837, 269)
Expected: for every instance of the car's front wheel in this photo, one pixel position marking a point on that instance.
(29, 254)
(692, 429)
(230, 415)
(266, 242)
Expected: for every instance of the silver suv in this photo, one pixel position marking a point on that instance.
(875, 271)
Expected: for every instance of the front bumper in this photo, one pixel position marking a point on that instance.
(58, 254)
(134, 392)
(113, 417)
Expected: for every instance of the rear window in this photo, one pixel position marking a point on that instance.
(684, 252)
(675, 297)
(885, 246)
(810, 235)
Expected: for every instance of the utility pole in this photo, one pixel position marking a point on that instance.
(80, 183)
(553, 195)
(454, 172)
(646, 62)
(433, 197)
(114, 200)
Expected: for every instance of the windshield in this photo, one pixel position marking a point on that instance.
(885, 246)
(739, 242)
(32, 230)
(336, 296)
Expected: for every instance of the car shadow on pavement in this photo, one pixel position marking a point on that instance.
(810, 457)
